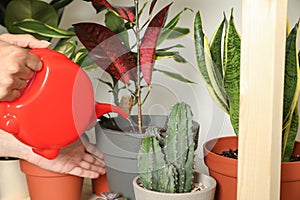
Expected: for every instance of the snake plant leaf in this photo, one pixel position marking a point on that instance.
(231, 65)
(18, 10)
(171, 26)
(291, 94)
(175, 76)
(291, 78)
(207, 68)
(40, 28)
(216, 47)
(289, 136)
(127, 13)
(106, 49)
(149, 43)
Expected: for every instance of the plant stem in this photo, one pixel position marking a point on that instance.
(138, 41)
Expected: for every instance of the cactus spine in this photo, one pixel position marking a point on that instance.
(167, 166)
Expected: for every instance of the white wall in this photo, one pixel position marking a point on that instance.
(166, 92)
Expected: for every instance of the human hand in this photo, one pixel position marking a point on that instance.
(81, 158)
(17, 65)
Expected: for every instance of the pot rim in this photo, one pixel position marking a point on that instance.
(214, 184)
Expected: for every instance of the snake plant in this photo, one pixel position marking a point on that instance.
(219, 65)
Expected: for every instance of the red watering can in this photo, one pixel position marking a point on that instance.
(56, 107)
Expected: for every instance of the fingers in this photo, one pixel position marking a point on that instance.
(17, 67)
(78, 171)
(89, 167)
(24, 40)
(33, 62)
(88, 158)
(13, 94)
(92, 149)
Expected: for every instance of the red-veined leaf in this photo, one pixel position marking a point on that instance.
(152, 6)
(149, 41)
(127, 13)
(106, 49)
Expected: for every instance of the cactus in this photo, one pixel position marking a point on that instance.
(167, 166)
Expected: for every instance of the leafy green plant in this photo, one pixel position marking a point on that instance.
(42, 19)
(131, 62)
(125, 46)
(221, 72)
(166, 161)
(35, 17)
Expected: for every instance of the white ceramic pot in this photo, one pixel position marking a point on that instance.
(206, 194)
(13, 184)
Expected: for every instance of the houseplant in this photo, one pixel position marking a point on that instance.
(13, 181)
(166, 162)
(130, 67)
(127, 72)
(50, 13)
(222, 77)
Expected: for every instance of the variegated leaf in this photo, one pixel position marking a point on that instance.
(231, 65)
(207, 68)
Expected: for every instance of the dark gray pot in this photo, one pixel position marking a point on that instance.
(120, 148)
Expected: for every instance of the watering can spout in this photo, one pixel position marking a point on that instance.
(104, 108)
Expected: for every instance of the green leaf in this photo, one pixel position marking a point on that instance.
(289, 135)
(18, 10)
(40, 28)
(165, 54)
(3, 5)
(117, 25)
(178, 58)
(231, 62)
(216, 47)
(170, 26)
(171, 47)
(59, 4)
(291, 94)
(291, 75)
(177, 32)
(68, 48)
(208, 70)
(175, 76)
(109, 84)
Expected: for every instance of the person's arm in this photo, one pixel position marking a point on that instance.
(80, 158)
(17, 66)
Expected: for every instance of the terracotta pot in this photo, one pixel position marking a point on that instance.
(224, 170)
(206, 194)
(47, 185)
(100, 185)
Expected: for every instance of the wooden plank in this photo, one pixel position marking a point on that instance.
(262, 72)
